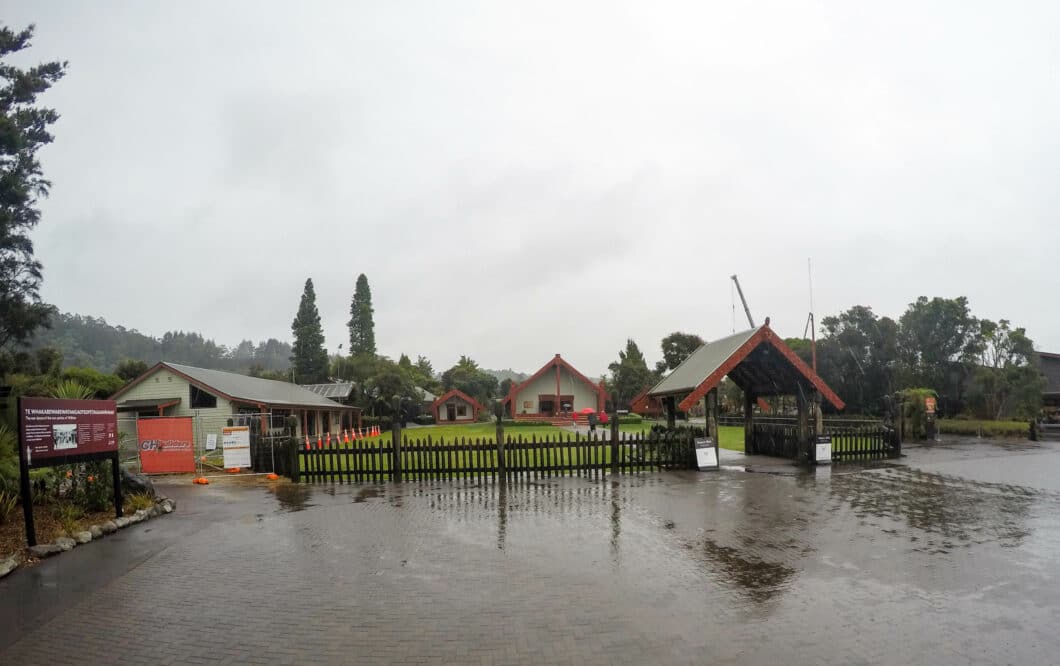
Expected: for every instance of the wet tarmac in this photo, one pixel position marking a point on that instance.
(945, 556)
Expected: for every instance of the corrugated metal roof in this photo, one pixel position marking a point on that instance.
(331, 389)
(255, 389)
(426, 395)
(703, 361)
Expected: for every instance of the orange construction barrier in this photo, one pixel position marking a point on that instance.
(273, 476)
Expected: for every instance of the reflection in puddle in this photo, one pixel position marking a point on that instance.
(368, 493)
(292, 496)
(954, 511)
(756, 578)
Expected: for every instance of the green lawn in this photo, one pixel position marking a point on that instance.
(731, 436)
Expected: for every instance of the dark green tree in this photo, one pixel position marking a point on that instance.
(630, 373)
(678, 346)
(423, 364)
(857, 356)
(49, 361)
(938, 342)
(1005, 381)
(130, 369)
(23, 131)
(472, 380)
(309, 358)
(361, 324)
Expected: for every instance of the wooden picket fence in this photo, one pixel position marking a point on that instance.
(477, 458)
(862, 441)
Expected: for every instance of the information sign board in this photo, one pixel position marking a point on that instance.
(53, 428)
(822, 450)
(235, 442)
(706, 454)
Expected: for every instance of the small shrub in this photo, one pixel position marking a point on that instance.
(525, 424)
(631, 418)
(68, 514)
(424, 419)
(8, 502)
(137, 501)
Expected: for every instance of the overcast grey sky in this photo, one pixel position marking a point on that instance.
(522, 179)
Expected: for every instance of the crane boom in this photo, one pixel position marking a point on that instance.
(743, 300)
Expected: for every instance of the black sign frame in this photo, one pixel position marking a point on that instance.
(25, 465)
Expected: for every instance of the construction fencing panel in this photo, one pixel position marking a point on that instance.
(269, 437)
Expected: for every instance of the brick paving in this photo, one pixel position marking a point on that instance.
(946, 557)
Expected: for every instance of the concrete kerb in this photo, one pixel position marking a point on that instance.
(162, 506)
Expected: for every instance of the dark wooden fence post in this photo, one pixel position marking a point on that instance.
(748, 423)
(671, 412)
(498, 412)
(802, 450)
(293, 446)
(614, 433)
(395, 444)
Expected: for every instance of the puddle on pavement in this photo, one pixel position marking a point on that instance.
(368, 493)
(942, 511)
(292, 496)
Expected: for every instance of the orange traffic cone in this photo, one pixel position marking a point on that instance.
(377, 433)
(327, 442)
(320, 442)
(307, 446)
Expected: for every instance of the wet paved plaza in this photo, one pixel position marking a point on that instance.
(946, 556)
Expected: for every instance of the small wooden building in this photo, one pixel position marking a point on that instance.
(646, 405)
(556, 391)
(1049, 364)
(455, 406)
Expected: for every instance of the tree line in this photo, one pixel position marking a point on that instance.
(976, 366)
(377, 378)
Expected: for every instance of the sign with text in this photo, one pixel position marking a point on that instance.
(53, 431)
(706, 454)
(929, 405)
(235, 445)
(822, 450)
(54, 428)
(166, 445)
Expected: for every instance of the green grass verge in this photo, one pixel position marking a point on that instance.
(1018, 429)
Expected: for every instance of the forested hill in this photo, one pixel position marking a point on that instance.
(92, 342)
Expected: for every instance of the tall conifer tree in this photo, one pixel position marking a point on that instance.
(309, 358)
(361, 324)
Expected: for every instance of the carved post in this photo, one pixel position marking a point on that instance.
(748, 423)
(395, 444)
(498, 412)
(614, 433)
(803, 452)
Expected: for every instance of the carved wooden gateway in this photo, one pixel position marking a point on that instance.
(762, 365)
